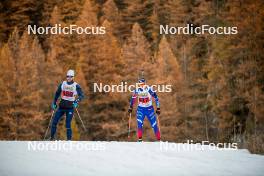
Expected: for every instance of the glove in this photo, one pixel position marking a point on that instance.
(158, 111)
(54, 106)
(129, 110)
(75, 104)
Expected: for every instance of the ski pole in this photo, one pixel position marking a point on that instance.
(49, 125)
(158, 124)
(80, 119)
(129, 125)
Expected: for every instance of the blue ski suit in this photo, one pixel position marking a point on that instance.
(70, 92)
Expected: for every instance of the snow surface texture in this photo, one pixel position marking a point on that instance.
(124, 158)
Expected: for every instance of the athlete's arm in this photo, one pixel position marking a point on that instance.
(57, 94)
(155, 96)
(133, 98)
(79, 92)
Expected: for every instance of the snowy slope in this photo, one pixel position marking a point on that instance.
(124, 158)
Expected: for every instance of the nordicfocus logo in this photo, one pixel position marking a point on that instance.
(190, 29)
(66, 30)
(191, 146)
(65, 146)
(124, 87)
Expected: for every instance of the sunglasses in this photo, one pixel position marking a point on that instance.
(69, 76)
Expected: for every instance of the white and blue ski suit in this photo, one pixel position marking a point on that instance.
(145, 108)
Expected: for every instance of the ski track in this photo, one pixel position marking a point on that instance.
(127, 158)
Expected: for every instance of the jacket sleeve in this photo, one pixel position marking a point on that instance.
(57, 94)
(133, 99)
(155, 96)
(79, 92)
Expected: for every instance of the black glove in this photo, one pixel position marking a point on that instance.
(129, 110)
(158, 111)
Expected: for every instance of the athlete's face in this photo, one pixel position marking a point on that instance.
(142, 84)
(69, 78)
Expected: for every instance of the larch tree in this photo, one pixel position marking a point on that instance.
(53, 64)
(244, 62)
(13, 44)
(87, 43)
(7, 80)
(111, 13)
(19, 14)
(106, 68)
(26, 108)
(153, 29)
(175, 13)
(69, 12)
(168, 72)
(137, 54)
(136, 12)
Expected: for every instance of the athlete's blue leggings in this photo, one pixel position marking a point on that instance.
(59, 113)
(149, 112)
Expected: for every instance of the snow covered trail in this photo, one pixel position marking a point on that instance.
(124, 158)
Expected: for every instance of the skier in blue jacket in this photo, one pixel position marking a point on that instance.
(144, 95)
(71, 94)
